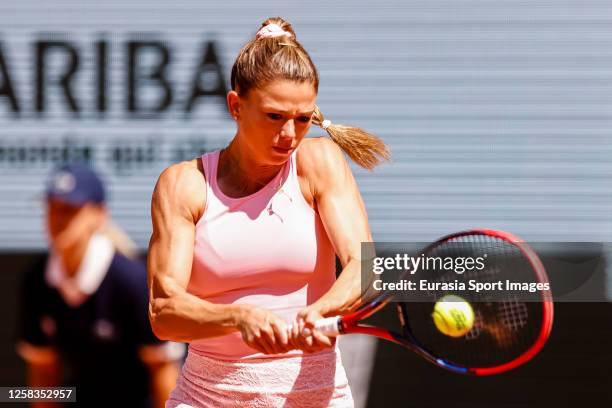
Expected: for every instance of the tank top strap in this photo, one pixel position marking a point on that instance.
(292, 177)
(293, 183)
(209, 164)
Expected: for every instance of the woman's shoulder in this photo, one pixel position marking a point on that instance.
(182, 184)
(185, 174)
(319, 157)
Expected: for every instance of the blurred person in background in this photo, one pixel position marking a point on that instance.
(84, 306)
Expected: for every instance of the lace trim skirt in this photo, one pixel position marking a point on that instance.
(309, 380)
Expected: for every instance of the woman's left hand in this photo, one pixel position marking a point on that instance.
(304, 336)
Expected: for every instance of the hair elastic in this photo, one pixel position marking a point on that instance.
(272, 31)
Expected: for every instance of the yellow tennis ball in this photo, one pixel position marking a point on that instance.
(453, 316)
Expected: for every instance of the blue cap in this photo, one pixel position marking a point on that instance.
(76, 184)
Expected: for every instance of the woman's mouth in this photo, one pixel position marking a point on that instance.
(282, 150)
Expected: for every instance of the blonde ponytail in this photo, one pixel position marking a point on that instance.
(362, 147)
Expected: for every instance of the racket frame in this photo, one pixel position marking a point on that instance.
(349, 324)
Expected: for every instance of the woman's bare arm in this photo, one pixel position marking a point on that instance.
(177, 205)
(344, 216)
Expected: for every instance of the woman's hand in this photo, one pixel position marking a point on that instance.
(304, 335)
(263, 330)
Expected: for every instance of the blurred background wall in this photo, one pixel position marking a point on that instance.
(498, 114)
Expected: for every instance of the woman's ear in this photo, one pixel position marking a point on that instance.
(233, 104)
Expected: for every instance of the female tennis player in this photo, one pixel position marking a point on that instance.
(244, 241)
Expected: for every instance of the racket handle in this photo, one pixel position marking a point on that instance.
(329, 326)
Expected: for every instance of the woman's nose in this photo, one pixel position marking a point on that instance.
(288, 129)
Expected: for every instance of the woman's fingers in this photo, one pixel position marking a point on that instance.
(269, 334)
(264, 331)
(309, 339)
(281, 335)
(302, 339)
(313, 340)
(256, 339)
(273, 336)
(306, 342)
(311, 318)
(265, 343)
(322, 340)
(251, 340)
(294, 334)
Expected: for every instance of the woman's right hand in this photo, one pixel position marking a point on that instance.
(263, 330)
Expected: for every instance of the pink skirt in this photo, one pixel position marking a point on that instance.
(309, 380)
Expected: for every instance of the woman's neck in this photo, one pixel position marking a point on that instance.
(239, 171)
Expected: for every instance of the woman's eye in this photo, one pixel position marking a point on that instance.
(304, 119)
(274, 116)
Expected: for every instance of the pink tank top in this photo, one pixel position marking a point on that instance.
(268, 249)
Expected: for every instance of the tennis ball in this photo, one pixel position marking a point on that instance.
(453, 316)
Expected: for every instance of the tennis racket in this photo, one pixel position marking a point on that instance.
(507, 331)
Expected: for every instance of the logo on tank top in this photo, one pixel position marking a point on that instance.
(279, 190)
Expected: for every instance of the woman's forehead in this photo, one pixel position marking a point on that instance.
(286, 95)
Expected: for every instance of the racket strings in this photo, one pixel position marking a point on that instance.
(477, 328)
(513, 314)
(504, 326)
